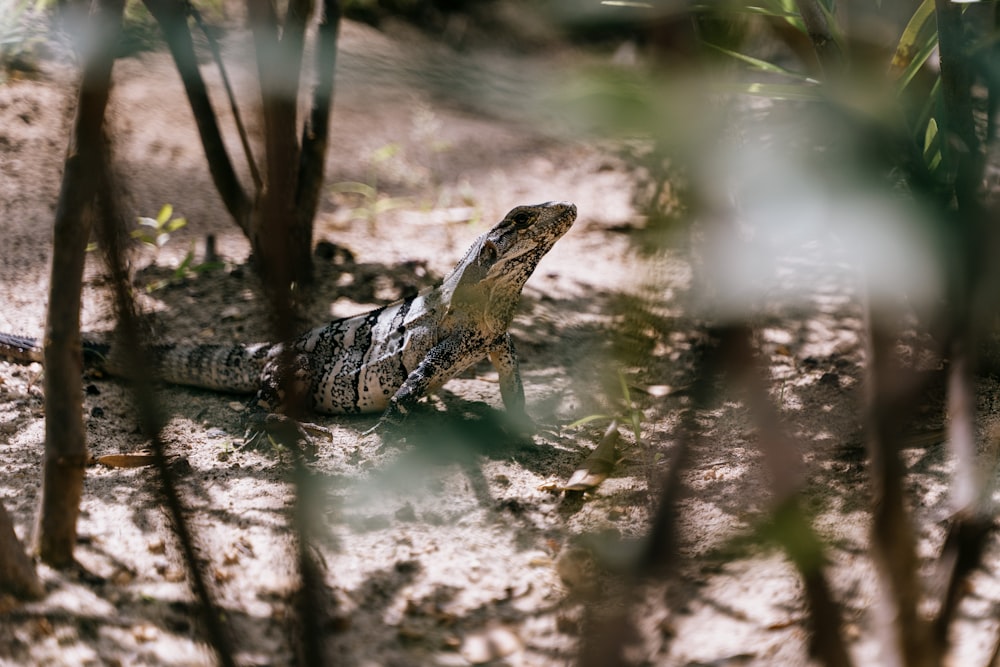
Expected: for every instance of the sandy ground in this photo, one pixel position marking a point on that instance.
(444, 551)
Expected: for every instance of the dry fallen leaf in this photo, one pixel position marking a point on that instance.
(136, 460)
(596, 467)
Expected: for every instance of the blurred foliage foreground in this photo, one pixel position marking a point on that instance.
(838, 133)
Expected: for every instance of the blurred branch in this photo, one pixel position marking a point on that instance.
(831, 58)
(113, 239)
(957, 78)
(972, 307)
(888, 389)
(792, 528)
(604, 641)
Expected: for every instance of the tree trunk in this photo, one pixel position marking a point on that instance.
(65, 441)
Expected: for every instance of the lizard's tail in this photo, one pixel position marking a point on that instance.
(25, 350)
(20, 349)
(230, 368)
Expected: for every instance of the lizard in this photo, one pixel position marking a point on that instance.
(384, 360)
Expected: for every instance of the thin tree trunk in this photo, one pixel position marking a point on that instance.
(279, 64)
(65, 442)
(172, 17)
(316, 132)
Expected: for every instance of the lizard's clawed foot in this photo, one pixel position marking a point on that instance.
(391, 422)
(275, 431)
(519, 425)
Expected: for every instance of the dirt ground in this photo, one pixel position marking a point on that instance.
(444, 551)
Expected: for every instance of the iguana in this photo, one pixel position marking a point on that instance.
(384, 360)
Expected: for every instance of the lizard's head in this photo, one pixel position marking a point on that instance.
(509, 253)
(501, 261)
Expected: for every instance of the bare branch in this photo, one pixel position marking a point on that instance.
(213, 46)
(315, 134)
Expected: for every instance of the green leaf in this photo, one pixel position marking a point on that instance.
(176, 224)
(625, 392)
(907, 75)
(205, 267)
(164, 214)
(929, 135)
(182, 268)
(932, 146)
(389, 203)
(752, 9)
(906, 49)
(785, 10)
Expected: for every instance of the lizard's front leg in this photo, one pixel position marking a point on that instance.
(443, 362)
(503, 356)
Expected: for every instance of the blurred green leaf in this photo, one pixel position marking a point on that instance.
(355, 187)
(762, 65)
(932, 146)
(385, 152)
(175, 224)
(751, 9)
(164, 215)
(777, 91)
(589, 418)
(913, 42)
(783, 9)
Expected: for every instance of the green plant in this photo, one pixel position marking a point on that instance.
(155, 233)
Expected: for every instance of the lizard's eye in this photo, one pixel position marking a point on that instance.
(522, 219)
